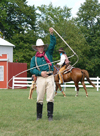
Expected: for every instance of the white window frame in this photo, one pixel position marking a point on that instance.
(1, 73)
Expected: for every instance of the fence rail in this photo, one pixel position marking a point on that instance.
(95, 80)
(27, 81)
(20, 82)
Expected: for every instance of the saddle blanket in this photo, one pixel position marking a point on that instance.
(68, 69)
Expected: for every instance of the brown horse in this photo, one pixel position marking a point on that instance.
(75, 75)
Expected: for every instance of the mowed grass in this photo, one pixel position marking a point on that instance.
(73, 116)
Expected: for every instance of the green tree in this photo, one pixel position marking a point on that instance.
(89, 21)
(60, 19)
(16, 17)
(23, 51)
(17, 23)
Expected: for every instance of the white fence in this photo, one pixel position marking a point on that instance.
(19, 82)
(26, 82)
(95, 80)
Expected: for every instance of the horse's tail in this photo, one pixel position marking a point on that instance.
(87, 76)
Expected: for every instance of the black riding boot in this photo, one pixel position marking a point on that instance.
(50, 110)
(39, 111)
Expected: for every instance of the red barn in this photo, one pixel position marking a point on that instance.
(8, 69)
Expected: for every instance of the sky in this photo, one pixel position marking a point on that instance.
(74, 4)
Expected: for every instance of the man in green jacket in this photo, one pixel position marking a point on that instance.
(44, 72)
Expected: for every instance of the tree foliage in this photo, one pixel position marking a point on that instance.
(89, 21)
(16, 17)
(21, 25)
(17, 23)
(59, 19)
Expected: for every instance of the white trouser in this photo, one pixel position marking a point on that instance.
(45, 85)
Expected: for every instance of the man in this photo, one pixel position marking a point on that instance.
(44, 73)
(64, 62)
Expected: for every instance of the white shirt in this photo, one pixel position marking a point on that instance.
(62, 60)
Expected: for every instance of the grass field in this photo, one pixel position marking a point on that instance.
(73, 116)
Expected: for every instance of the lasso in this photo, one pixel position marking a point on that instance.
(68, 46)
(28, 70)
(48, 63)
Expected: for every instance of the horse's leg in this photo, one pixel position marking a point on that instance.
(84, 88)
(56, 89)
(77, 87)
(61, 90)
(32, 88)
(30, 93)
(63, 93)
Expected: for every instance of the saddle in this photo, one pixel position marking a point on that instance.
(68, 69)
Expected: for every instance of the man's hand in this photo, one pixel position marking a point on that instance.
(44, 74)
(51, 30)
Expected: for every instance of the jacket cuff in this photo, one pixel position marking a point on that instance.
(39, 73)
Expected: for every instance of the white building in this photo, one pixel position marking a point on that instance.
(6, 48)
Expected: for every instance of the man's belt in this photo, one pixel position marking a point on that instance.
(50, 73)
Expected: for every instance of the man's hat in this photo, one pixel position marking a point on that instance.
(61, 49)
(39, 42)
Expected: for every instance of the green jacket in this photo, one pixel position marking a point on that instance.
(41, 61)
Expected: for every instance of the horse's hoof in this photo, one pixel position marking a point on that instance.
(86, 95)
(30, 98)
(76, 95)
(64, 95)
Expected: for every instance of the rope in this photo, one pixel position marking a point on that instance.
(30, 69)
(51, 62)
(68, 46)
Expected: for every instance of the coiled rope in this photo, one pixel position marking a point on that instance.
(48, 63)
(68, 46)
(28, 70)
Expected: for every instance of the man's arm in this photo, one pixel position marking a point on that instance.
(52, 42)
(62, 60)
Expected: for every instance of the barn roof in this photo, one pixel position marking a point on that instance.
(5, 43)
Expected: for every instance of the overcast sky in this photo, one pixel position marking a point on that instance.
(74, 4)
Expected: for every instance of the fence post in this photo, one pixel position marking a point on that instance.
(64, 87)
(97, 83)
(13, 82)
